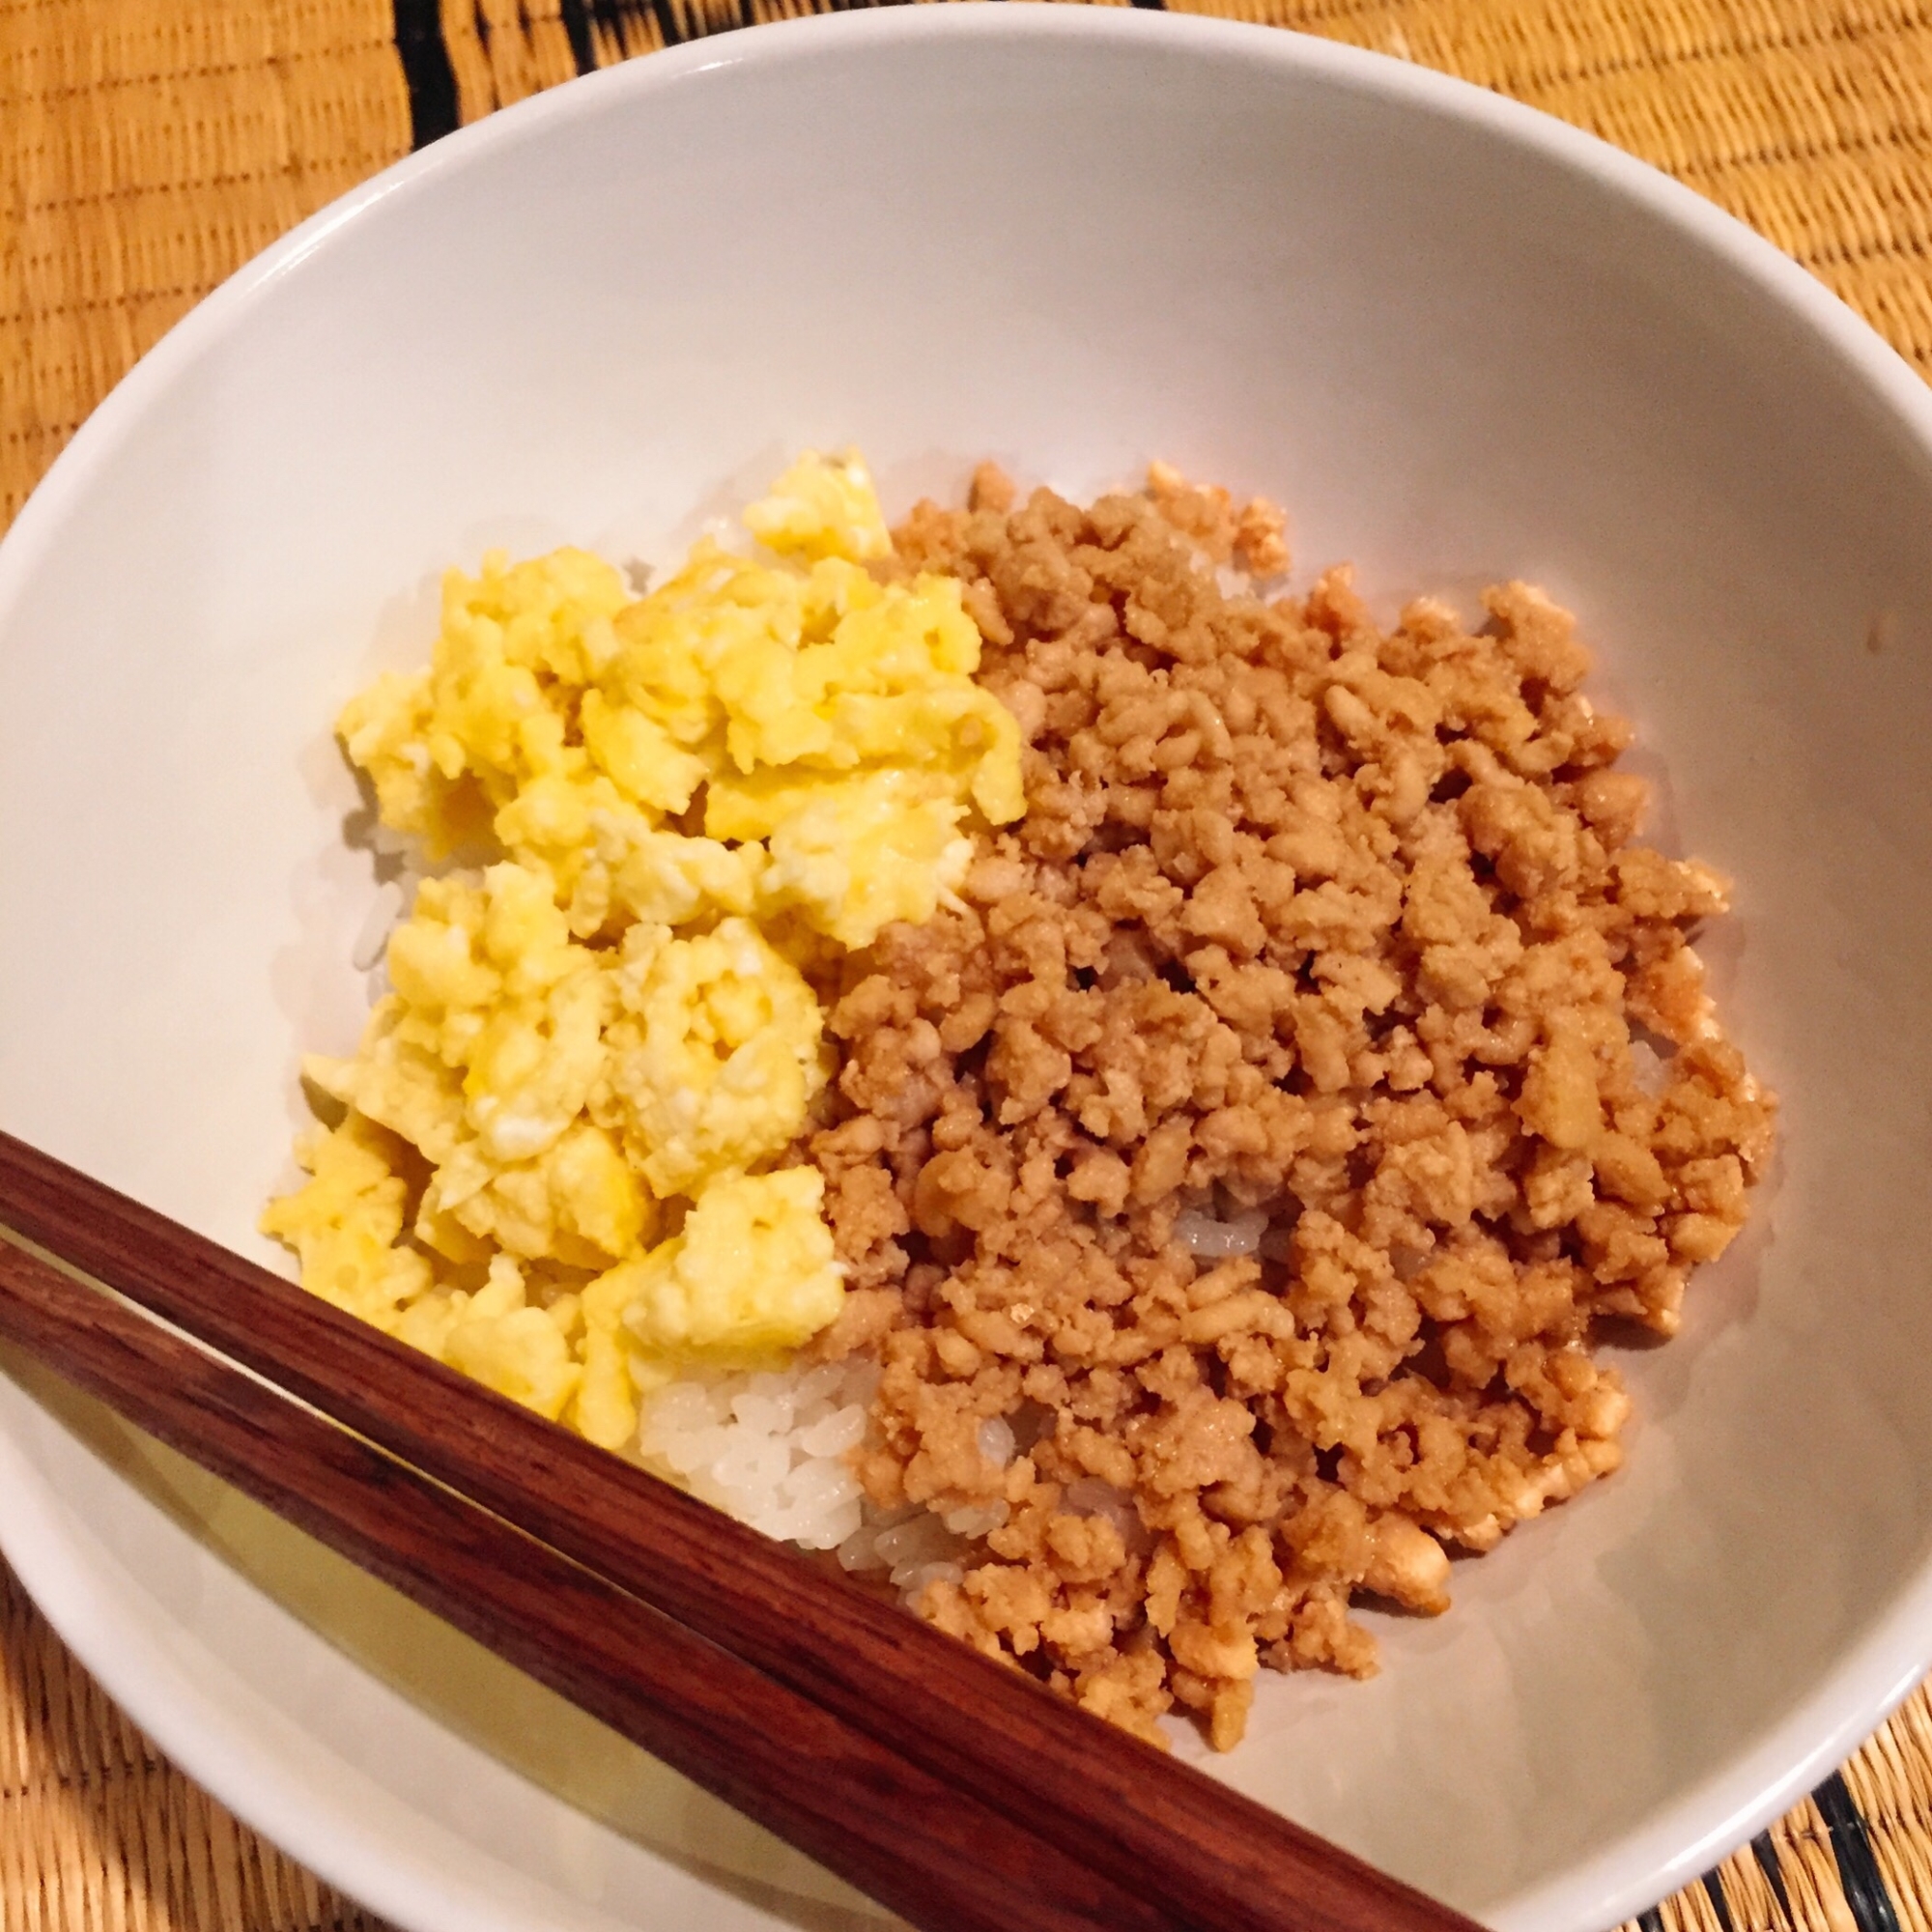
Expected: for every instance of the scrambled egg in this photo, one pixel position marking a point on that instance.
(555, 1168)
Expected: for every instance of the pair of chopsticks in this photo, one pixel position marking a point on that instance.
(958, 1792)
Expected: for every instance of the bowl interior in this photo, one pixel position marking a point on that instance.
(1459, 347)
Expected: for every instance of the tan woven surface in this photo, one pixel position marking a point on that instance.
(148, 147)
(99, 1833)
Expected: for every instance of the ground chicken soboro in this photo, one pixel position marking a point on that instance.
(1309, 928)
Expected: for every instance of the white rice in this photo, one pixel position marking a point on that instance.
(772, 1450)
(1208, 1236)
(390, 902)
(1651, 1067)
(775, 1450)
(1089, 1496)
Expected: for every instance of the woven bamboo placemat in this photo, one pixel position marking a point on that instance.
(148, 147)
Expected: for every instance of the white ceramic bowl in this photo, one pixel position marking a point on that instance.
(1461, 342)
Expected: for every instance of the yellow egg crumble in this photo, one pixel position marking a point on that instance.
(554, 1169)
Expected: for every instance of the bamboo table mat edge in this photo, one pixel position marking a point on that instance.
(153, 146)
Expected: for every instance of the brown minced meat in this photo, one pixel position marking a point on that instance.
(1294, 1096)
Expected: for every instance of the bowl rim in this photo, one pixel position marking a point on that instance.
(41, 1541)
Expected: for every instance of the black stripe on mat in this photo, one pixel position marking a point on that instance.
(666, 19)
(1714, 1890)
(426, 71)
(1650, 1920)
(577, 28)
(1865, 1891)
(1765, 1854)
(615, 17)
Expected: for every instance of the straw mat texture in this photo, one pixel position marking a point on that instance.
(150, 147)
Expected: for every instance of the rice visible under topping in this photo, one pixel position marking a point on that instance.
(1211, 1238)
(773, 1449)
(390, 902)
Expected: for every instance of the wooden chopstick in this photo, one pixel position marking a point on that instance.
(914, 1843)
(1195, 1850)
